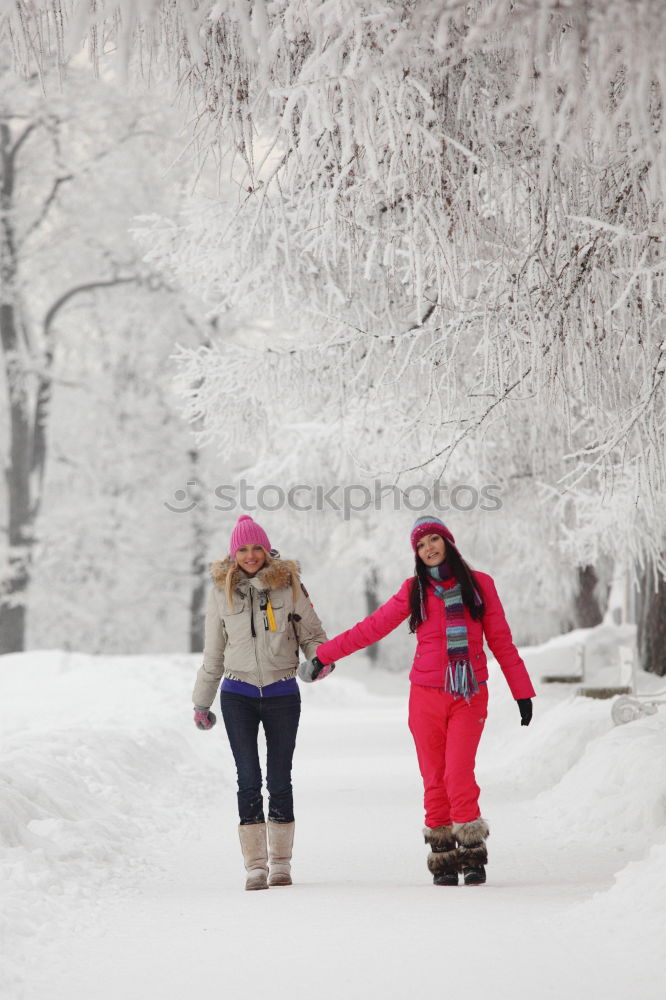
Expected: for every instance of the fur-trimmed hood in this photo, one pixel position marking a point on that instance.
(278, 573)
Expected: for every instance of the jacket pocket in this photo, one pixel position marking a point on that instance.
(279, 611)
(282, 650)
(236, 623)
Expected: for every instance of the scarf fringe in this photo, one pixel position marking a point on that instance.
(460, 680)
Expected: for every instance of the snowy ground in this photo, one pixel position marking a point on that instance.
(121, 868)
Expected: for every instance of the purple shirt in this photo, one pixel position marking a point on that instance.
(270, 691)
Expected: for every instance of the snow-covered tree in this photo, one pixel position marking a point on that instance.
(93, 444)
(455, 210)
(44, 269)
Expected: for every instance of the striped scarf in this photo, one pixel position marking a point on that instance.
(460, 679)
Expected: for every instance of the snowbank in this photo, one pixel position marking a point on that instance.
(588, 777)
(98, 763)
(616, 792)
(101, 768)
(596, 650)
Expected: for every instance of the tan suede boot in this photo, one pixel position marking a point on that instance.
(255, 855)
(280, 844)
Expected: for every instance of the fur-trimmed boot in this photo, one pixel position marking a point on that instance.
(280, 844)
(472, 852)
(255, 854)
(443, 861)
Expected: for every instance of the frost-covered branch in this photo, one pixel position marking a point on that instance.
(48, 203)
(500, 166)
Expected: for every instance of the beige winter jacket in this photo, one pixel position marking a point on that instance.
(239, 641)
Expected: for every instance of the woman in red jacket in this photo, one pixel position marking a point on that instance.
(450, 608)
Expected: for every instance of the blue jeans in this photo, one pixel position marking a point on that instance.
(279, 716)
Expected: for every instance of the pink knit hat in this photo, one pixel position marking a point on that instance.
(429, 526)
(247, 532)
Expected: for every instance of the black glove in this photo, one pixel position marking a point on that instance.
(314, 670)
(525, 709)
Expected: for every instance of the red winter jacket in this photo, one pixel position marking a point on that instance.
(431, 659)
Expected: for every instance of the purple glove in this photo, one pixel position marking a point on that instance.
(204, 718)
(315, 670)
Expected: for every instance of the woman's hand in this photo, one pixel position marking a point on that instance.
(525, 709)
(314, 670)
(204, 718)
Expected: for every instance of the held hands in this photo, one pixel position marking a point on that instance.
(204, 718)
(525, 709)
(314, 670)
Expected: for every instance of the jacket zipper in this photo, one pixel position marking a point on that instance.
(446, 652)
(254, 636)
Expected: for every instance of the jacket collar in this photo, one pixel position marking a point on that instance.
(278, 573)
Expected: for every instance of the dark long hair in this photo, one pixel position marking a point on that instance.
(463, 574)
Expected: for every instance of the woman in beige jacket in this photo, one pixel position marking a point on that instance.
(258, 616)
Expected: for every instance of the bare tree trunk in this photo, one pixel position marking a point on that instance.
(587, 610)
(652, 625)
(14, 582)
(371, 604)
(198, 562)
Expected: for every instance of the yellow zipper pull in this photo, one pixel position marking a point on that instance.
(270, 616)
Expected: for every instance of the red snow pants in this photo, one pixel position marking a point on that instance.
(446, 732)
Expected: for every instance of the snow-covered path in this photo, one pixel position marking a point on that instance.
(363, 919)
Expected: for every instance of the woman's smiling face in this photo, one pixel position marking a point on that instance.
(250, 558)
(431, 550)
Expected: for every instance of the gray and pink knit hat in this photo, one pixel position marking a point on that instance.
(247, 532)
(429, 526)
